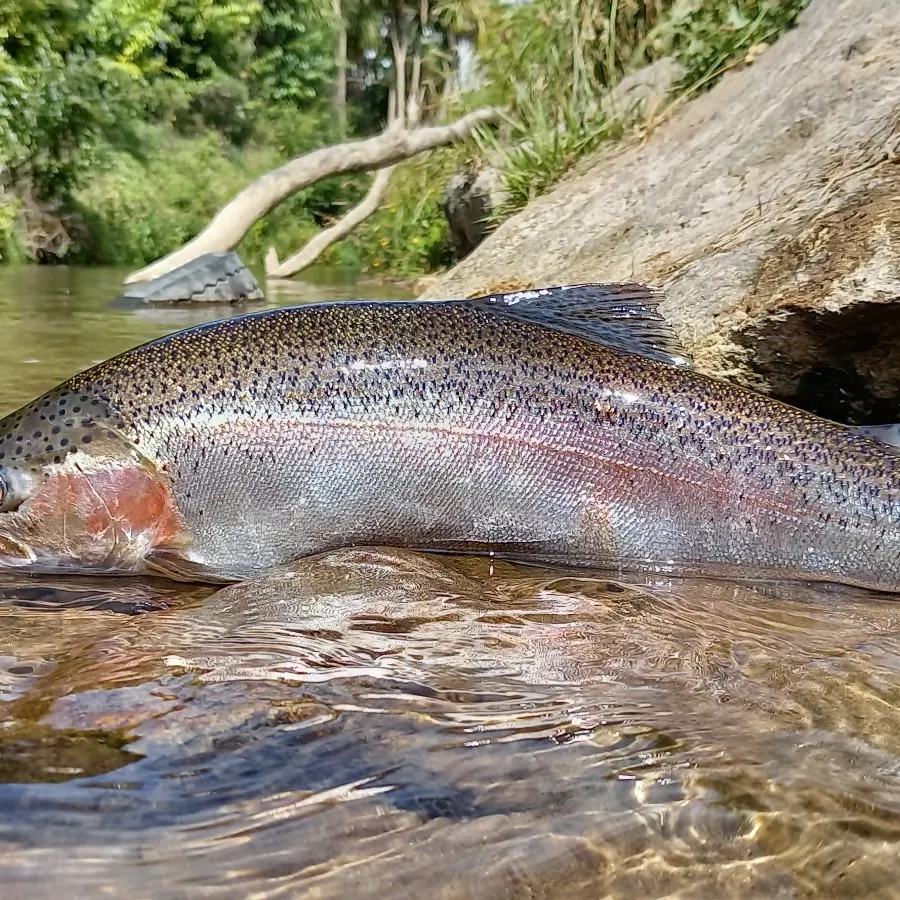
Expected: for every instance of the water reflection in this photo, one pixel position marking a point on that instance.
(375, 721)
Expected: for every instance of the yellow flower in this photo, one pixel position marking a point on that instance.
(376, 263)
(384, 242)
(415, 240)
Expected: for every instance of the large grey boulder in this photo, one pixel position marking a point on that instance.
(767, 209)
(210, 278)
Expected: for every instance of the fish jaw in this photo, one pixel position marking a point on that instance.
(97, 512)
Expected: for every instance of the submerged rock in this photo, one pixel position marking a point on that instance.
(210, 278)
(767, 209)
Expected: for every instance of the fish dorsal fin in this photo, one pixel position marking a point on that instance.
(889, 435)
(621, 316)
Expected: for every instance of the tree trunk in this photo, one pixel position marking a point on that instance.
(233, 221)
(324, 239)
(416, 93)
(399, 52)
(340, 97)
(413, 108)
(399, 38)
(767, 209)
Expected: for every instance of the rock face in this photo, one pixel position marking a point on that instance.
(210, 278)
(470, 201)
(643, 93)
(769, 210)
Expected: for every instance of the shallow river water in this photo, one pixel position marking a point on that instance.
(377, 723)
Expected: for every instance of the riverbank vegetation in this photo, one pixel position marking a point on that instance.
(125, 124)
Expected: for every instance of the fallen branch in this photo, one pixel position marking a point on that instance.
(236, 218)
(324, 239)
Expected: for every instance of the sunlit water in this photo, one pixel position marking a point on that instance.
(375, 723)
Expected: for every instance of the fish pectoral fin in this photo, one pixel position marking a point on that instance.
(884, 434)
(624, 316)
(173, 564)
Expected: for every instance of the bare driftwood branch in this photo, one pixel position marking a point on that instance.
(233, 221)
(324, 239)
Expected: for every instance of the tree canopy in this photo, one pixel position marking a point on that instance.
(76, 74)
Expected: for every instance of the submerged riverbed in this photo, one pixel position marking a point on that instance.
(376, 723)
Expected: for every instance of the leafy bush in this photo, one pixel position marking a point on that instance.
(11, 249)
(705, 36)
(221, 103)
(541, 147)
(409, 235)
(56, 113)
(139, 210)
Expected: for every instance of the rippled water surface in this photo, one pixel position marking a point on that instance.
(376, 723)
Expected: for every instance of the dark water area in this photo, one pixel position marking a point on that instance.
(374, 722)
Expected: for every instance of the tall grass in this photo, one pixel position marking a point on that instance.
(541, 146)
(566, 57)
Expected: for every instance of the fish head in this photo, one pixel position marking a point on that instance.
(77, 494)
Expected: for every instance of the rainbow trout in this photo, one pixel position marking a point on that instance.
(556, 426)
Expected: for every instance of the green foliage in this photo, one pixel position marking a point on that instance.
(562, 50)
(542, 147)
(705, 36)
(552, 61)
(409, 234)
(76, 75)
(138, 210)
(56, 108)
(11, 249)
(294, 61)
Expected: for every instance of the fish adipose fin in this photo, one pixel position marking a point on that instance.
(621, 316)
(885, 434)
